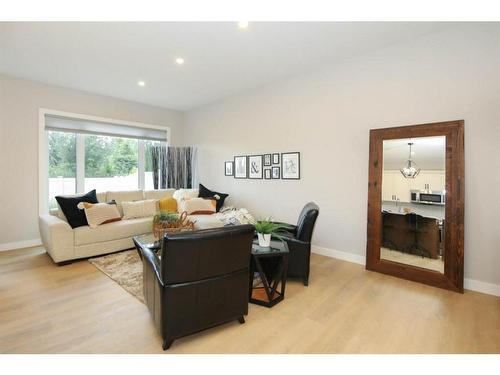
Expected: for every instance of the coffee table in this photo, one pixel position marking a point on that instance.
(147, 240)
(268, 294)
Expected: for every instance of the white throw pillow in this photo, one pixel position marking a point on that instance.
(197, 206)
(100, 213)
(182, 195)
(145, 208)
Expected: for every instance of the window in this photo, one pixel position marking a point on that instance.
(111, 163)
(84, 155)
(62, 165)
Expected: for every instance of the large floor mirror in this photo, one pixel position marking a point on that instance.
(416, 204)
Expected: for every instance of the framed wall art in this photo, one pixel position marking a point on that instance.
(290, 165)
(275, 173)
(240, 167)
(228, 168)
(255, 166)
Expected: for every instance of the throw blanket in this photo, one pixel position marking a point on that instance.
(234, 216)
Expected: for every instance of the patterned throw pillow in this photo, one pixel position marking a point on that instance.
(100, 213)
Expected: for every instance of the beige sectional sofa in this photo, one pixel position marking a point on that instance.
(64, 243)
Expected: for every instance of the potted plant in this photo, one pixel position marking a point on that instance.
(266, 228)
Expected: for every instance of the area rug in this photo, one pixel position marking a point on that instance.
(124, 268)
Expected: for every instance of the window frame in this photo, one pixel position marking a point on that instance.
(43, 152)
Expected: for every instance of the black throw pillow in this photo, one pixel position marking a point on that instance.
(206, 193)
(76, 217)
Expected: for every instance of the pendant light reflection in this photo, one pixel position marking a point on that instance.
(411, 169)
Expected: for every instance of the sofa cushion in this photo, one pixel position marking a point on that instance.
(112, 231)
(158, 194)
(101, 197)
(69, 206)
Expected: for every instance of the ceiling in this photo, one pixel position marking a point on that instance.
(427, 152)
(109, 58)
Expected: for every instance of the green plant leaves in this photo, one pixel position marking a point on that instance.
(269, 227)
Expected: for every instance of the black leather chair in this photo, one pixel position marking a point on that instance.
(200, 281)
(298, 239)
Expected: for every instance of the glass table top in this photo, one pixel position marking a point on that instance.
(277, 247)
(148, 240)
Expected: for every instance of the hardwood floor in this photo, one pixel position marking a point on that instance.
(412, 259)
(345, 309)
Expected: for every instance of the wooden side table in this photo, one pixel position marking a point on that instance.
(268, 294)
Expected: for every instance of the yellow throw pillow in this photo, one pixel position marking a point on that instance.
(168, 204)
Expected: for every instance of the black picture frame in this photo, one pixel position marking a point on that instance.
(276, 158)
(267, 173)
(226, 165)
(267, 160)
(285, 174)
(255, 175)
(275, 173)
(235, 161)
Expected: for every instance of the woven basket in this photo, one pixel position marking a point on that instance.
(160, 228)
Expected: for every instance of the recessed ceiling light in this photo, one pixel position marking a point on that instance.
(242, 24)
(141, 83)
(179, 60)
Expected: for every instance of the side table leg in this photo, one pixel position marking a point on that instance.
(264, 279)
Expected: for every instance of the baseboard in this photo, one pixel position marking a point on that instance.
(342, 255)
(482, 287)
(20, 244)
(469, 284)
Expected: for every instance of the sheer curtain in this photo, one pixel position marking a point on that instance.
(174, 167)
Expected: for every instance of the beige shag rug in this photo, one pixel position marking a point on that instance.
(124, 268)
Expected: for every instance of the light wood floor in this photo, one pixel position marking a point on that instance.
(411, 259)
(77, 309)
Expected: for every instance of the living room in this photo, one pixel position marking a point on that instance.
(249, 187)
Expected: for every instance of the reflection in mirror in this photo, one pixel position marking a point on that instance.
(413, 202)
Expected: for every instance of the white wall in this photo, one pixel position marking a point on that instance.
(19, 103)
(454, 74)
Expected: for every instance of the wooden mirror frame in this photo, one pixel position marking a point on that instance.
(452, 278)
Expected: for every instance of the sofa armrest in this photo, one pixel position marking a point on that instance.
(57, 237)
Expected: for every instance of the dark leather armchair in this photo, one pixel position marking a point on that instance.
(200, 281)
(298, 239)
